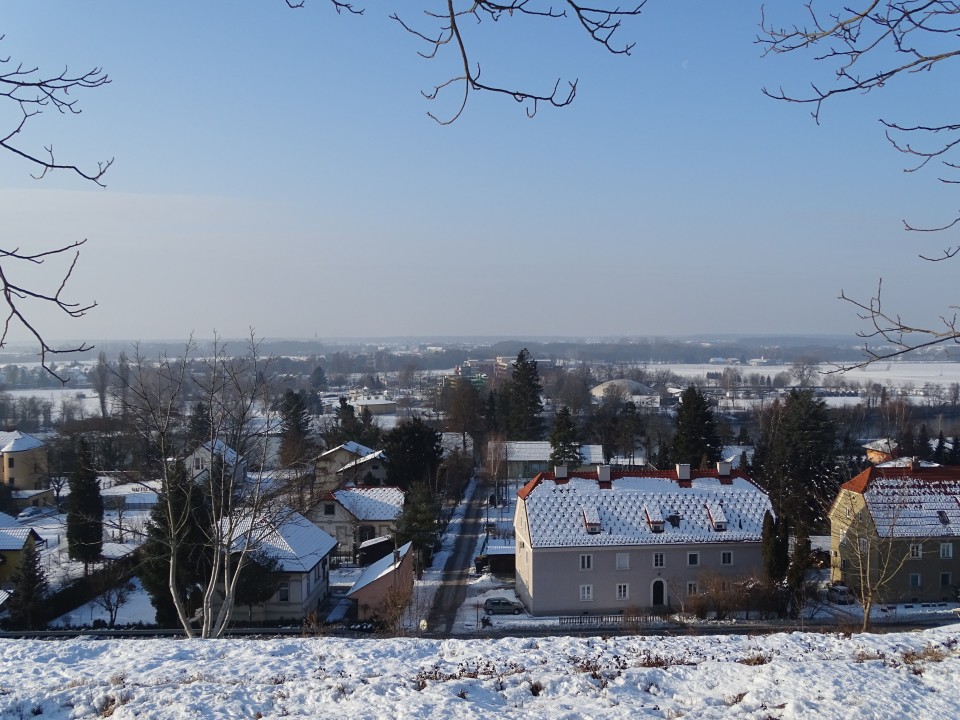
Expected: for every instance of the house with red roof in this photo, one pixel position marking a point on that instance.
(607, 541)
(893, 532)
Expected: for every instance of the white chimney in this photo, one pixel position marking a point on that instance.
(603, 473)
(683, 471)
(560, 472)
(723, 468)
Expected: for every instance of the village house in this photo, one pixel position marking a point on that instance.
(893, 532)
(302, 551)
(14, 538)
(388, 581)
(608, 541)
(329, 462)
(527, 458)
(355, 514)
(24, 460)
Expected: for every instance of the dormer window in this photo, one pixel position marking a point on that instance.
(944, 518)
(654, 517)
(718, 518)
(591, 520)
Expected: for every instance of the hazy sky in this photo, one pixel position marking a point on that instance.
(276, 169)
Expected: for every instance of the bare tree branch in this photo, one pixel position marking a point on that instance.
(600, 24)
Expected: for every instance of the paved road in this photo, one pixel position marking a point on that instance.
(453, 585)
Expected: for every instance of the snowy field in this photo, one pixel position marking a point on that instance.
(776, 676)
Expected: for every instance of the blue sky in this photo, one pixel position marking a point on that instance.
(276, 169)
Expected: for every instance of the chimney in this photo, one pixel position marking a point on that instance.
(603, 473)
(914, 463)
(723, 469)
(560, 472)
(683, 471)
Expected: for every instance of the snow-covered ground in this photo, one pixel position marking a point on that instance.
(798, 675)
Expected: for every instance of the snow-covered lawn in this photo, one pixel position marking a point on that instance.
(776, 676)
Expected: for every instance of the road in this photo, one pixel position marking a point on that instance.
(453, 585)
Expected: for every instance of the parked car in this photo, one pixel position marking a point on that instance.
(29, 513)
(840, 595)
(502, 606)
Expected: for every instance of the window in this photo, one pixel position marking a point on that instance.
(328, 509)
(726, 557)
(691, 588)
(916, 551)
(623, 561)
(946, 551)
(198, 463)
(859, 515)
(586, 563)
(586, 593)
(658, 560)
(693, 559)
(945, 580)
(914, 580)
(849, 513)
(864, 544)
(623, 591)
(283, 592)
(10, 462)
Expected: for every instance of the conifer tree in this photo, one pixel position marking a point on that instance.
(563, 440)
(795, 459)
(84, 510)
(525, 405)
(295, 442)
(29, 591)
(696, 438)
(418, 522)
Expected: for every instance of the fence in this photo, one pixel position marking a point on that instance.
(613, 621)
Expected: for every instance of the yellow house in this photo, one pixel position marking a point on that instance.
(13, 539)
(24, 462)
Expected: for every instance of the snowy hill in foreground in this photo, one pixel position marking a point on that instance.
(903, 675)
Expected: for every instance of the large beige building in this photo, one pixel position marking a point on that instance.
(893, 532)
(606, 541)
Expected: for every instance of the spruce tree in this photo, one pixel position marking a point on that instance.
(795, 459)
(413, 451)
(563, 440)
(696, 438)
(295, 443)
(84, 510)
(525, 405)
(29, 591)
(418, 522)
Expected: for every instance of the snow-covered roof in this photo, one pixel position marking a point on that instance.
(8, 521)
(378, 455)
(884, 445)
(295, 542)
(354, 448)
(221, 449)
(371, 503)
(630, 387)
(14, 538)
(540, 451)
(922, 500)
(555, 515)
(16, 441)
(380, 568)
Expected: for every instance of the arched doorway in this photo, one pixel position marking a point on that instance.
(659, 593)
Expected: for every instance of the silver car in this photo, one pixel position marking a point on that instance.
(502, 606)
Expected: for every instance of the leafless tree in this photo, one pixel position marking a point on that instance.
(803, 370)
(113, 596)
(870, 45)
(448, 28)
(241, 510)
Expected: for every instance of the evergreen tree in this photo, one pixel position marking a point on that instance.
(696, 438)
(29, 592)
(563, 440)
(629, 430)
(84, 510)
(258, 581)
(177, 521)
(906, 443)
(418, 522)
(318, 379)
(199, 427)
(525, 406)
(413, 451)
(953, 456)
(940, 452)
(795, 459)
(295, 441)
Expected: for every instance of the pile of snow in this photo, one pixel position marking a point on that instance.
(775, 676)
